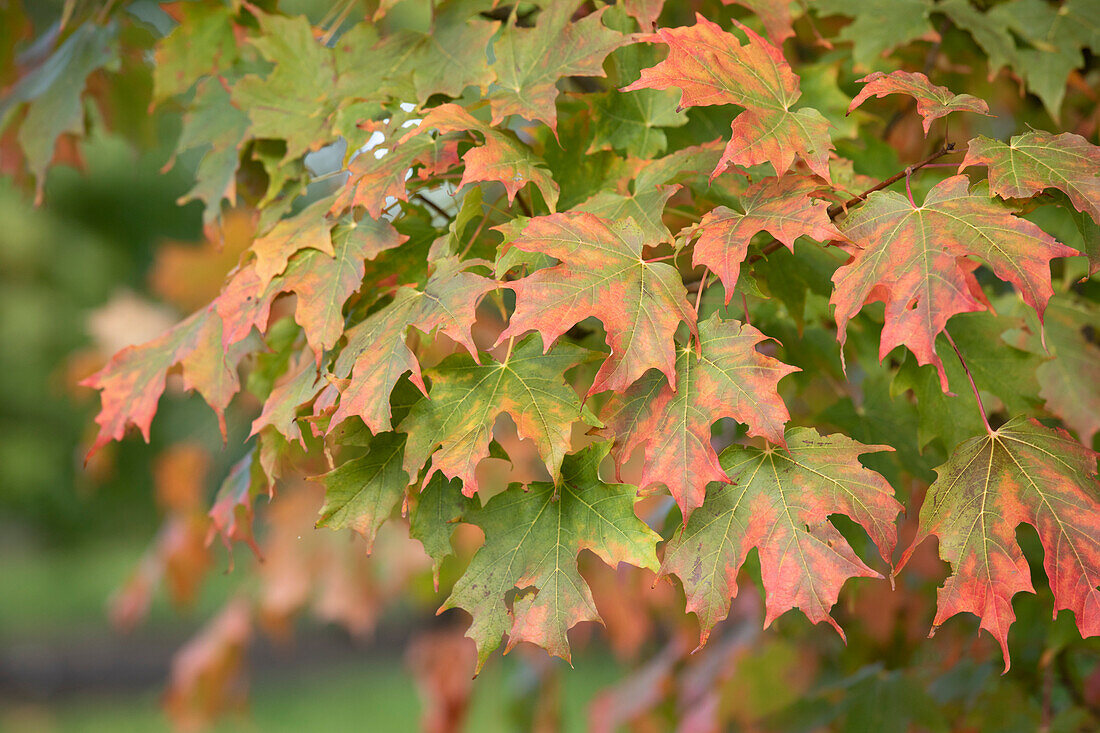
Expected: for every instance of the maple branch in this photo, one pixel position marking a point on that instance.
(477, 232)
(526, 207)
(978, 397)
(837, 209)
(433, 205)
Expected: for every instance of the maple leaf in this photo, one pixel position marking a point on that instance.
(290, 103)
(1000, 370)
(377, 354)
(645, 12)
(500, 159)
(215, 126)
(52, 93)
(299, 385)
(323, 284)
(431, 520)
(454, 427)
(308, 228)
(529, 61)
(933, 101)
(245, 303)
(532, 538)
(779, 503)
(210, 368)
(993, 37)
(912, 258)
(1035, 161)
(361, 493)
(446, 59)
(1021, 472)
(632, 122)
(1056, 35)
(711, 66)
(202, 43)
(133, 380)
(783, 207)
(601, 274)
(231, 513)
(728, 378)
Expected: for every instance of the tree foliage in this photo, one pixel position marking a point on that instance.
(534, 267)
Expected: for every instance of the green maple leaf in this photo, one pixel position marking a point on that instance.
(631, 122)
(532, 538)
(529, 61)
(53, 94)
(432, 518)
(1056, 36)
(1021, 472)
(361, 493)
(779, 503)
(445, 60)
(202, 44)
(293, 102)
(214, 125)
(455, 426)
(991, 35)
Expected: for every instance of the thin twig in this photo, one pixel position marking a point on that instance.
(477, 232)
(523, 204)
(837, 209)
(433, 205)
(978, 397)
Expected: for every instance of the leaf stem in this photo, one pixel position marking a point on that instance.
(837, 209)
(908, 190)
(702, 287)
(969, 376)
(672, 256)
